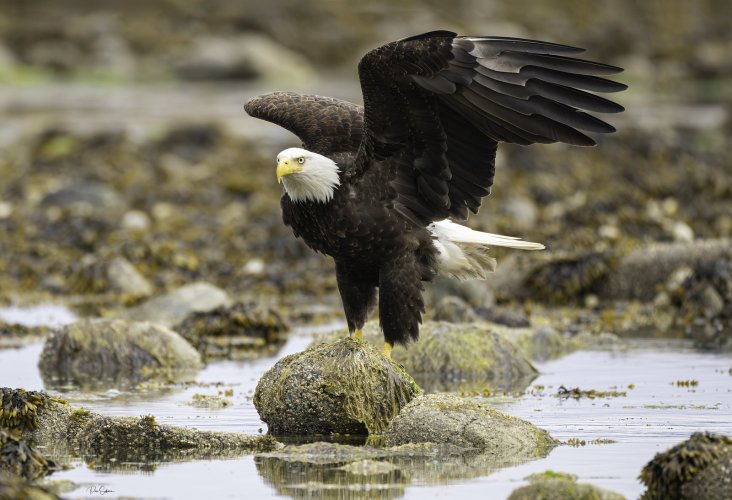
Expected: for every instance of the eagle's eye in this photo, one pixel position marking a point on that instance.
(301, 160)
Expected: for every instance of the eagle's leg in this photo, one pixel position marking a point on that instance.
(386, 351)
(358, 294)
(400, 300)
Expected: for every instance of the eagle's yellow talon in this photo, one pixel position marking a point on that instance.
(387, 350)
(358, 334)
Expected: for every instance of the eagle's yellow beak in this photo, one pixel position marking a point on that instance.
(286, 167)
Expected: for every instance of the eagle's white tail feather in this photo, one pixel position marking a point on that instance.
(463, 252)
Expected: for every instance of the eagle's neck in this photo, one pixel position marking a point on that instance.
(317, 182)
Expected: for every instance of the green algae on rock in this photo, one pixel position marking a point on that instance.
(345, 387)
(100, 352)
(551, 485)
(700, 467)
(242, 330)
(19, 408)
(462, 356)
(442, 418)
(111, 439)
(20, 458)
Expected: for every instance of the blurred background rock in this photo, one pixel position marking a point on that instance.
(123, 139)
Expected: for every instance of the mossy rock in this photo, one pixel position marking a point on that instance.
(552, 485)
(242, 330)
(110, 441)
(700, 467)
(344, 387)
(464, 356)
(103, 352)
(442, 418)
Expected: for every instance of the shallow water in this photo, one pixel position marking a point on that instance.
(653, 415)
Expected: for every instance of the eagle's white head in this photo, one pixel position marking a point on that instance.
(307, 176)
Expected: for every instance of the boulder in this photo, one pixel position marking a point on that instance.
(242, 330)
(103, 352)
(446, 419)
(344, 387)
(550, 484)
(176, 306)
(700, 467)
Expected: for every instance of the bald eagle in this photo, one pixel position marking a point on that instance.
(378, 187)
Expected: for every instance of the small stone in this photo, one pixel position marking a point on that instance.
(345, 387)
(711, 302)
(136, 220)
(609, 232)
(210, 401)
(682, 232)
(551, 485)
(6, 209)
(523, 212)
(126, 279)
(254, 267)
(455, 310)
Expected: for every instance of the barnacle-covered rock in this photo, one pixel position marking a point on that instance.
(700, 467)
(446, 419)
(238, 331)
(703, 304)
(117, 439)
(569, 278)
(102, 352)
(344, 387)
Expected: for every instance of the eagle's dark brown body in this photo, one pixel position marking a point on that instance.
(374, 248)
(422, 149)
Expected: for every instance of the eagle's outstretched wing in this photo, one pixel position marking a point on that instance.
(325, 125)
(436, 104)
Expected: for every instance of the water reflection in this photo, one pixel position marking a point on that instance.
(324, 471)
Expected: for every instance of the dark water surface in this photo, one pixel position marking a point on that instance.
(654, 413)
